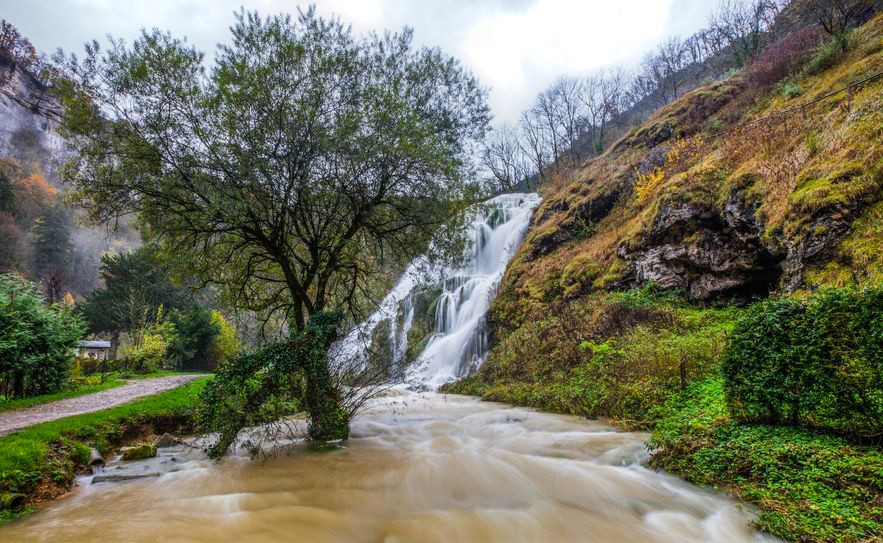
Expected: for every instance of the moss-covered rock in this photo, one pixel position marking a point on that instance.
(139, 452)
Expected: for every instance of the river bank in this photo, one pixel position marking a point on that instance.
(43, 461)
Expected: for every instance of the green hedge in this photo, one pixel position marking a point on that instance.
(816, 363)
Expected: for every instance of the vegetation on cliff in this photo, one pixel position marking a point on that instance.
(631, 298)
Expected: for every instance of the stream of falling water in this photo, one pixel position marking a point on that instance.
(458, 344)
(418, 468)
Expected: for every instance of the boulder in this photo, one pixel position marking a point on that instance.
(139, 452)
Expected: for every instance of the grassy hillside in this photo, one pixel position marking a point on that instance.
(640, 264)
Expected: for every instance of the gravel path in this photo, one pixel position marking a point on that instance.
(11, 421)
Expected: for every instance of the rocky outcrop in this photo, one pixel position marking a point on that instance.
(579, 217)
(29, 114)
(693, 247)
(710, 251)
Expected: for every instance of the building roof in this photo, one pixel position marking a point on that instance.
(94, 344)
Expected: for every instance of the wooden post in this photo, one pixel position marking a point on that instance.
(803, 111)
(848, 97)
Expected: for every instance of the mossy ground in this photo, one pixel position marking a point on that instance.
(42, 461)
(809, 486)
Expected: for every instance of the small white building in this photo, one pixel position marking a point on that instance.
(93, 349)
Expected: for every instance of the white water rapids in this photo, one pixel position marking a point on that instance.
(418, 468)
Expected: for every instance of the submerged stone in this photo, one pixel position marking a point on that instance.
(167, 440)
(120, 477)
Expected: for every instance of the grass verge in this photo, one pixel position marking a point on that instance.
(42, 461)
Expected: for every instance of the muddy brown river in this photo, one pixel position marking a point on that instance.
(419, 467)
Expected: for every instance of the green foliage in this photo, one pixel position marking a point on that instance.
(618, 355)
(90, 366)
(43, 460)
(261, 386)
(195, 334)
(148, 354)
(817, 363)
(53, 250)
(826, 56)
(226, 344)
(809, 487)
(146, 349)
(135, 288)
(789, 89)
(252, 388)
(36, 340)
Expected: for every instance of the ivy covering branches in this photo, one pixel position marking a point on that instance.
(261, 387)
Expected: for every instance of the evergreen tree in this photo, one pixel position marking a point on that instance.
(7, 197)
(53, 250)
(195, 333)
(135, 287)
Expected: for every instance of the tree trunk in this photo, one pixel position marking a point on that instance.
(329, 420)
(18, 385)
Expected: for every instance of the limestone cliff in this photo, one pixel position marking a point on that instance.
(29, 114)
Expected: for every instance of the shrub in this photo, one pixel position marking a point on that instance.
(790, 89)
(89, 366)
(817, 363)
(826, 55)
(36, 340)
(225, 345)
(148, 354)
(782, 58)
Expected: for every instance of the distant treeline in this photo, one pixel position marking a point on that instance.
(579, 116)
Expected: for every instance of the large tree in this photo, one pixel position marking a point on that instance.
(302, 164)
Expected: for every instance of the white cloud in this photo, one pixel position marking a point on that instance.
(515, 47)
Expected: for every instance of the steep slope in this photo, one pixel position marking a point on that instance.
(622, 298)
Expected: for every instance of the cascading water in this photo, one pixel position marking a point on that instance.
(459, 342)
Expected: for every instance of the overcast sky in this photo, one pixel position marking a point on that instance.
(515, 47)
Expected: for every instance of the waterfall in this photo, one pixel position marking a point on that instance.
(458, 341)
